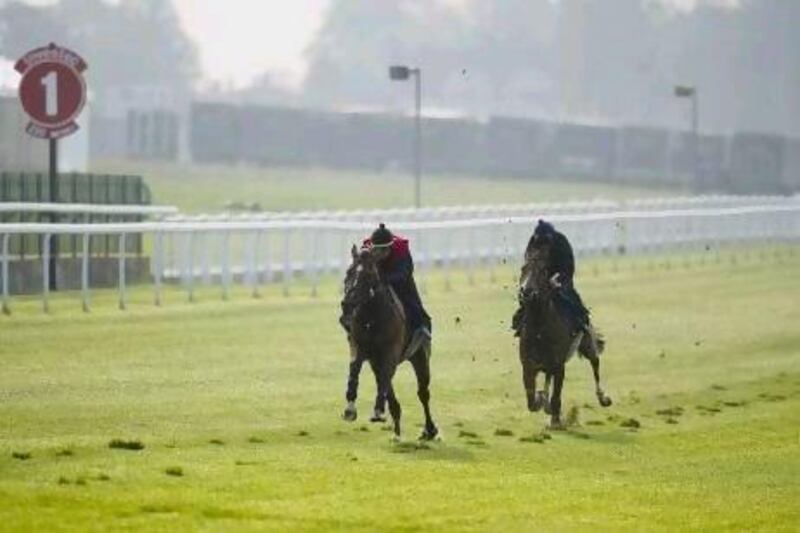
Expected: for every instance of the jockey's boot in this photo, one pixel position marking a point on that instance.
(421, 338)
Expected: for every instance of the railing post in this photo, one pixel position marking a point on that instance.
(254, 264)
(122, 291)
(314, 260)
(6, 307)
(158, 259)
(85, 272)
(447, 258)
(190, 265)
(267, 260)
(206, 259)
(423, 261)
(226, 264)
(46, 272)
(471, 251)
(287, 261)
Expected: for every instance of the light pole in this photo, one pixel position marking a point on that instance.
(687, 91)
(402, 73)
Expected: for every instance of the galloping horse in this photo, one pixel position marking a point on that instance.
(548, 338)
(379, 334)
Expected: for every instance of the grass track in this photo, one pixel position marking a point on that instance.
(265, 378)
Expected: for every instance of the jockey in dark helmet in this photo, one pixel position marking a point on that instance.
(396, 266)
(561, 271)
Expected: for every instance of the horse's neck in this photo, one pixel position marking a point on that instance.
(381, 308)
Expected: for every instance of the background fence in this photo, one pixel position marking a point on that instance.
(258, 252)
(24, 189)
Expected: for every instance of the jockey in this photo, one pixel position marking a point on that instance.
(561, 271)
(396, 266)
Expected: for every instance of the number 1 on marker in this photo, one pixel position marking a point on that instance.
(50, 83)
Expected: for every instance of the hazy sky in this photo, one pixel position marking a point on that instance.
(240, 39)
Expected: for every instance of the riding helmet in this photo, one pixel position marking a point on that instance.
(544, 229)
(381, 237)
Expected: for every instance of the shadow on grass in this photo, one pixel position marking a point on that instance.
(432, 451)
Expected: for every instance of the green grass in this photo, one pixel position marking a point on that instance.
(196, 188)
(237, 405)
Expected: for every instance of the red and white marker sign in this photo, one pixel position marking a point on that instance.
(52, 90)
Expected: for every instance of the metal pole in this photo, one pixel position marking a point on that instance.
(54, 217)
(85, 272)
(6, 308)
(46, 272)
(121, 275)
(418, 139)
(158, 253)
(695, 140)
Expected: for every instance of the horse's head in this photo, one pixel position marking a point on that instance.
(362, 279)
(534, 281)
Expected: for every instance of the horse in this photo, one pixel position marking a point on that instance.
(548, 339)
(380, 335)
(350, 413)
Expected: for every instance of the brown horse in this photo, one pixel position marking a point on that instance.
(548, 338)
(379, 334)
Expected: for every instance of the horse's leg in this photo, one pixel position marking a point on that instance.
(529, 373)
(422, 369)
(591, 347)
(602, 397)
(386, 393)
(379, 410)
(394, 409)
(543, 396)
(555, 400)
(350, 413)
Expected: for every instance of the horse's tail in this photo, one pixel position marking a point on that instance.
(600, 340)
(593, 341)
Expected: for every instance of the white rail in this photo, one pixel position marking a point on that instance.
(267, 251)
(87, 209)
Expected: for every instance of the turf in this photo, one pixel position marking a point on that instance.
(226, 415)
(209, 188)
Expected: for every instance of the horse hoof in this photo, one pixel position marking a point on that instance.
(378, 416)
(533, 404)
(557, 425)
(605, 401)
(429, 434)
(349, 415)
(396, 439)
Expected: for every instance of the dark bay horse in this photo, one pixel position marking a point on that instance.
(379, 334)
(548, 338)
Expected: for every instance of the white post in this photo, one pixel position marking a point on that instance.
(158, 258)
(267, 260)
(287, 261)
(254, 263)
(471, 251)
(46, 273)
(206, 259)
(314, 260)
(226, 266)
(122, 295)
(190, 265)
(85, 273)
(6, 308)
(491, 254)
(447, 258)
(423, 258)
